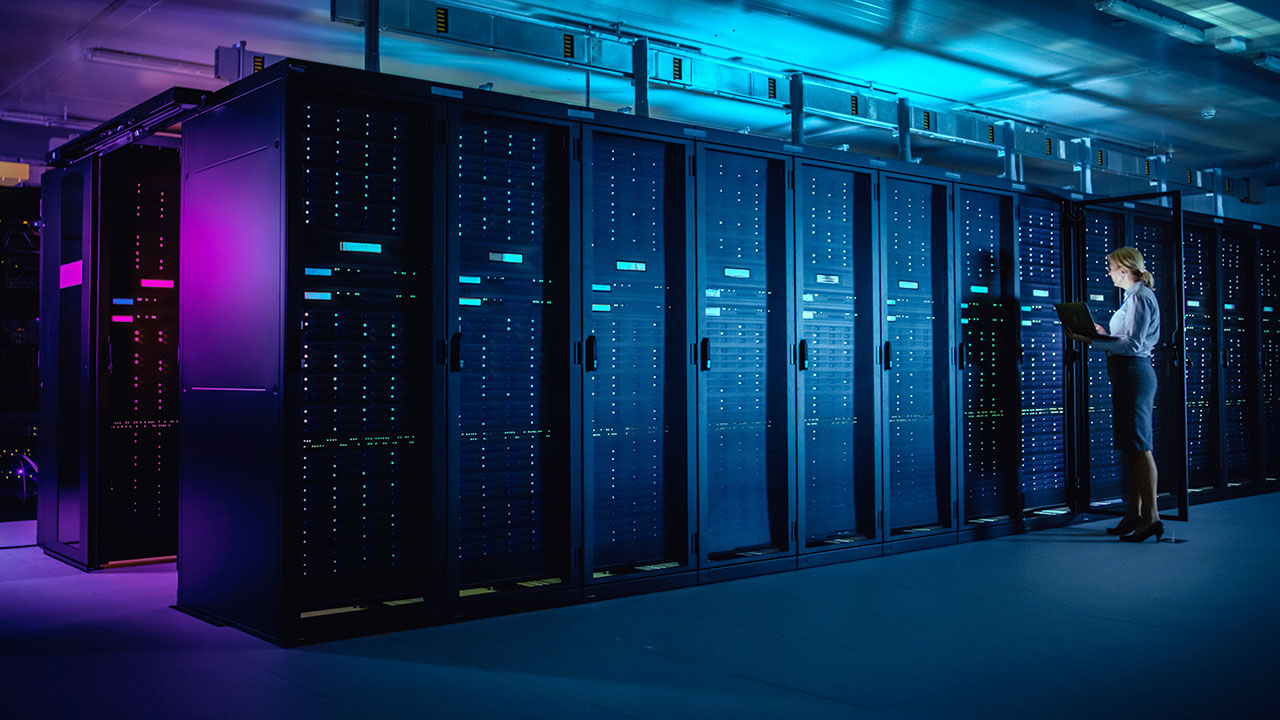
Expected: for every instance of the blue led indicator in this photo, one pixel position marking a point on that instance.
(1040, 293)
(1026, 323)
(317, 295)
(601, 288)
(634, 266)
(506, 257)
(713, 312)
(469, 301)
(964, 321)
(808, 314)
(979, 289)
(807, 297)
(360, 247)
(737, 272)
(121, 301)
(1193, 303)
(908, 284)
(1229, 306)
(1267, 308)
(469, 280)
(601, 308)
(323, 272)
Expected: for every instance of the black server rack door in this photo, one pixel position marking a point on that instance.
(742, 355)
(356, 263)
(1199, 269)
(1043, 423)
(1104, 232)
(66, 202)
(836, 477)
(1154, 239)
(1269, 357)
(916, 355)
(137, 474)
(508, 353)
(636, 439)
(989, 429)
(1239, 351)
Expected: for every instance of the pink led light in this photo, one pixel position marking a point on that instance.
(69, 275)
(157, 283)
(121, 318)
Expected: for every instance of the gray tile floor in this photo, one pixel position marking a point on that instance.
(1059, 623)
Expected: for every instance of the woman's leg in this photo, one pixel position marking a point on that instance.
(1129, 462)
(1144, 486)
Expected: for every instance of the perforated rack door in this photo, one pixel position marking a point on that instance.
(359, 509)
(636, 384)
(1043, 422)
(915, 231)
(1104, 232)
(989, 427)
(1239, 351)
(743, 397)
(137, 487)
(1199, 269)
(833, 228)
(509, 349)
(1269, 364)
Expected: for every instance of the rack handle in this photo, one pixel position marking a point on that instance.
(803, 359)
(455, 352)
(591, 361)
(704, 359)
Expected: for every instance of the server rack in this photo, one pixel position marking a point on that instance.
(986, 354)
(746, 478)
(917, 370)
(638, 454)
(837, 436)
(109, 411)
(1239, 253)
(307, 368)
(514, 400)
(1203, 338)
(1041, 281)
(1269, 349)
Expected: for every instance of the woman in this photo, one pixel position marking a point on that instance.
(1134, 330)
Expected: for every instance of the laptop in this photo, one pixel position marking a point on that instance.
(1075, 316)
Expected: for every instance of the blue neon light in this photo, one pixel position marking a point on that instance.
(469, 301)
(601, 288)
(601, 308)
(317, 295)
(323, 272)
(121, 301)
(635, 266)
(360, 247)
(469, 280)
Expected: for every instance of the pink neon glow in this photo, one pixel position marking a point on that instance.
(157, 283)
(121, 318)
(69, 275)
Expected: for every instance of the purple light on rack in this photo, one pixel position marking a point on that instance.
(121, 318)
(69, 275)
(156, 283)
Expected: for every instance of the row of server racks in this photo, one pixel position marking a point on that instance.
(447, 353)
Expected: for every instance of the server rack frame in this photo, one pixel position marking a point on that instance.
(867, 467)
(944, 391)
(685, 572)
(76, 493)
(779, 473)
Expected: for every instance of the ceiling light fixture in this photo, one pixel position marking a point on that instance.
(108, 56)
(1151, 19)
(1268, 61)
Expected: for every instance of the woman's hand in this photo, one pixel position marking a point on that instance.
(1075, 336)
(1099, 329)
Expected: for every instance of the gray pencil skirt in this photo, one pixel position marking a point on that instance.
(1133, 396)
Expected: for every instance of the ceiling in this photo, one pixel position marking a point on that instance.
(1061, 62)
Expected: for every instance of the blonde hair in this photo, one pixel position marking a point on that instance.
(1131, 259)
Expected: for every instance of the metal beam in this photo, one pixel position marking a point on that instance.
(797, 109)
(640, 75)
(372, 19)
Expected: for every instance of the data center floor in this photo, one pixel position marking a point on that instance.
(1059, 623)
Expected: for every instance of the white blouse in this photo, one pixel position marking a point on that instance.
(1135, 326)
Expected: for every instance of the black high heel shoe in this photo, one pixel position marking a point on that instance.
(1125, 527)
(1156, 528)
